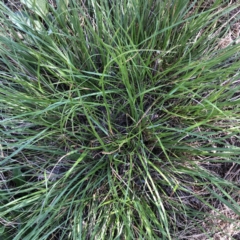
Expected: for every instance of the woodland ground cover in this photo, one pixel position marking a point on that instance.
(119, 119)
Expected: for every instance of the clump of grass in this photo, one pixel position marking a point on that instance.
(114, 118)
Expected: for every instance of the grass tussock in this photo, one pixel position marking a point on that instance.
(119, 120)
